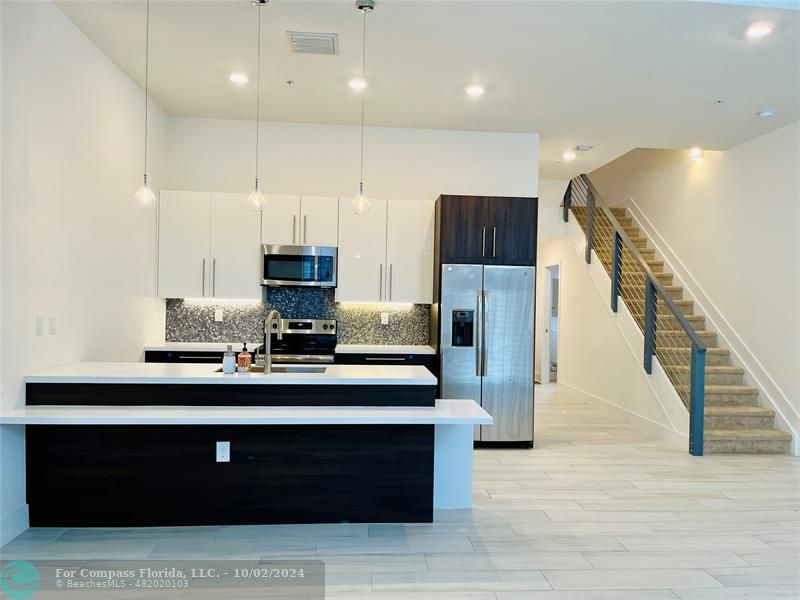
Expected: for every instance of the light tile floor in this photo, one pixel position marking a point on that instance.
(597, 511)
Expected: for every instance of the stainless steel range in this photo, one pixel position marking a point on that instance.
(302, 341)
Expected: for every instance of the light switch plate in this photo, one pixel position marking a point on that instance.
(223, 452)
(39, 325)
(218, 314)
(52, 326)
(384, 318)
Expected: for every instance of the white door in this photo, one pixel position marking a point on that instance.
(319, 217)
(183, 267)
(362, 254)
(410, 251)
(235, 253)
(281, 220)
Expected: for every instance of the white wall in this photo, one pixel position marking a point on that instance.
(74, 245)
(600, 352)
(729, 227)
(297, 158)
(551, 219)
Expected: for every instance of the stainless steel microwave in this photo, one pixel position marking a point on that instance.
(298, 266)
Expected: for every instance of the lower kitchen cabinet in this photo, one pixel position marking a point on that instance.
(177, 356)
(429, 361)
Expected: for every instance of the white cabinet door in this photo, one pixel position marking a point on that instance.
(235, 255)
(183, 269)
(319, 221)
(362, 254)
(410, 251)
(281, 220)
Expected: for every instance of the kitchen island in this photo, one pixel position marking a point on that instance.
(158, 463)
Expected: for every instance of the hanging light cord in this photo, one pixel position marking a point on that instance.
(146, 78)
(363, 92)
(258, 85)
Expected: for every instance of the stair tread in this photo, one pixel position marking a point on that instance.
(730, 389)
(716, 369)
(746, 434)
(737, 411)
(686, 349)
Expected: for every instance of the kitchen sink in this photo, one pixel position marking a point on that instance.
(286, 369)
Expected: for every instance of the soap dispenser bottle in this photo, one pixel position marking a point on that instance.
(229, 361)
(244, 360)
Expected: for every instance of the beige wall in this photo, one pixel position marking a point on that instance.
(730, 228)
(74, 245)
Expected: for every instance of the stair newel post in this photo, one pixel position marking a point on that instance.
(616, 274)
(567, 201)
(589, 224)
(649, 326)
(697, 401)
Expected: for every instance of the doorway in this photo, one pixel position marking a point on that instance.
(549, 342)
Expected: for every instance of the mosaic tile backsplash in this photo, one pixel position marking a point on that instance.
(193, 321)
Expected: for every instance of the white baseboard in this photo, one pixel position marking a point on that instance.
(678, 440)
(772, 396)
(13, 524)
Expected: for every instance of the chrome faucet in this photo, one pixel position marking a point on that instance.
(273, 315)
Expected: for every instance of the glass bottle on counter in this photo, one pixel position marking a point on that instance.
(229, 361)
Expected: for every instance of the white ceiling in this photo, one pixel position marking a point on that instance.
(617, 75)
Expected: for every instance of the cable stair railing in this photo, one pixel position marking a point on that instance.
(668, 333)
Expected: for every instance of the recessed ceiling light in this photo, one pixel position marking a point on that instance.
(357, 83)
(475, 90)
(239, 78)
(569, 155)
(765, 114)
(696, 153)
(583, 147)
(759, 29)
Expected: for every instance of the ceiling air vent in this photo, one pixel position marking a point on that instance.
(304, 42)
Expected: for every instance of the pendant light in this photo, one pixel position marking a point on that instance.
(256, 199)
(144, 197)
(361, 202)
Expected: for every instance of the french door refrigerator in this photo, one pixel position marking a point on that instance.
(486, 338)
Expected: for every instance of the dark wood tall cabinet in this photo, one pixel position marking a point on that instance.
(490, 230)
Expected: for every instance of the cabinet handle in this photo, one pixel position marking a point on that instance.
(380, 283)
(385, 358)
(214, 277)
(204, 277)
(483, 243)
(305, 228)
(494, 242)
(391, 280)
(294, 229)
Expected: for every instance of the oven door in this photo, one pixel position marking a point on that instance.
(299, 266)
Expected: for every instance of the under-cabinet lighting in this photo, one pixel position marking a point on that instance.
(220, 301)
(378, 305)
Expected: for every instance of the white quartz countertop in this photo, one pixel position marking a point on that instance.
(181, 373)
(382, 349)
(445, 412)
(201, 347)
(340, 348)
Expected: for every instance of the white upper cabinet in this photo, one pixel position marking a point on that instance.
(207, 246)
(280, 220)
(300, 221)
(319, 223)
(409, 254)
(235, 253)
(183, 244)
(361, 275)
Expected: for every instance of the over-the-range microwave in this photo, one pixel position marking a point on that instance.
(298, 266)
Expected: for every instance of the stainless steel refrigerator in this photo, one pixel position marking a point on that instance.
(486, 338)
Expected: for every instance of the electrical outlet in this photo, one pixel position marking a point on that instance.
(223, 452)
(384, 318)
(52, 326)
(218, 314)
(39, 325)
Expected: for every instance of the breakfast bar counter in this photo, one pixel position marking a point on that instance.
(190, 450)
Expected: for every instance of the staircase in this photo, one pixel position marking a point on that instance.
(733, 420)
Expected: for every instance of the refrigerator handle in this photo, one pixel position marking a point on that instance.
(479, 337)
(484, 334)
